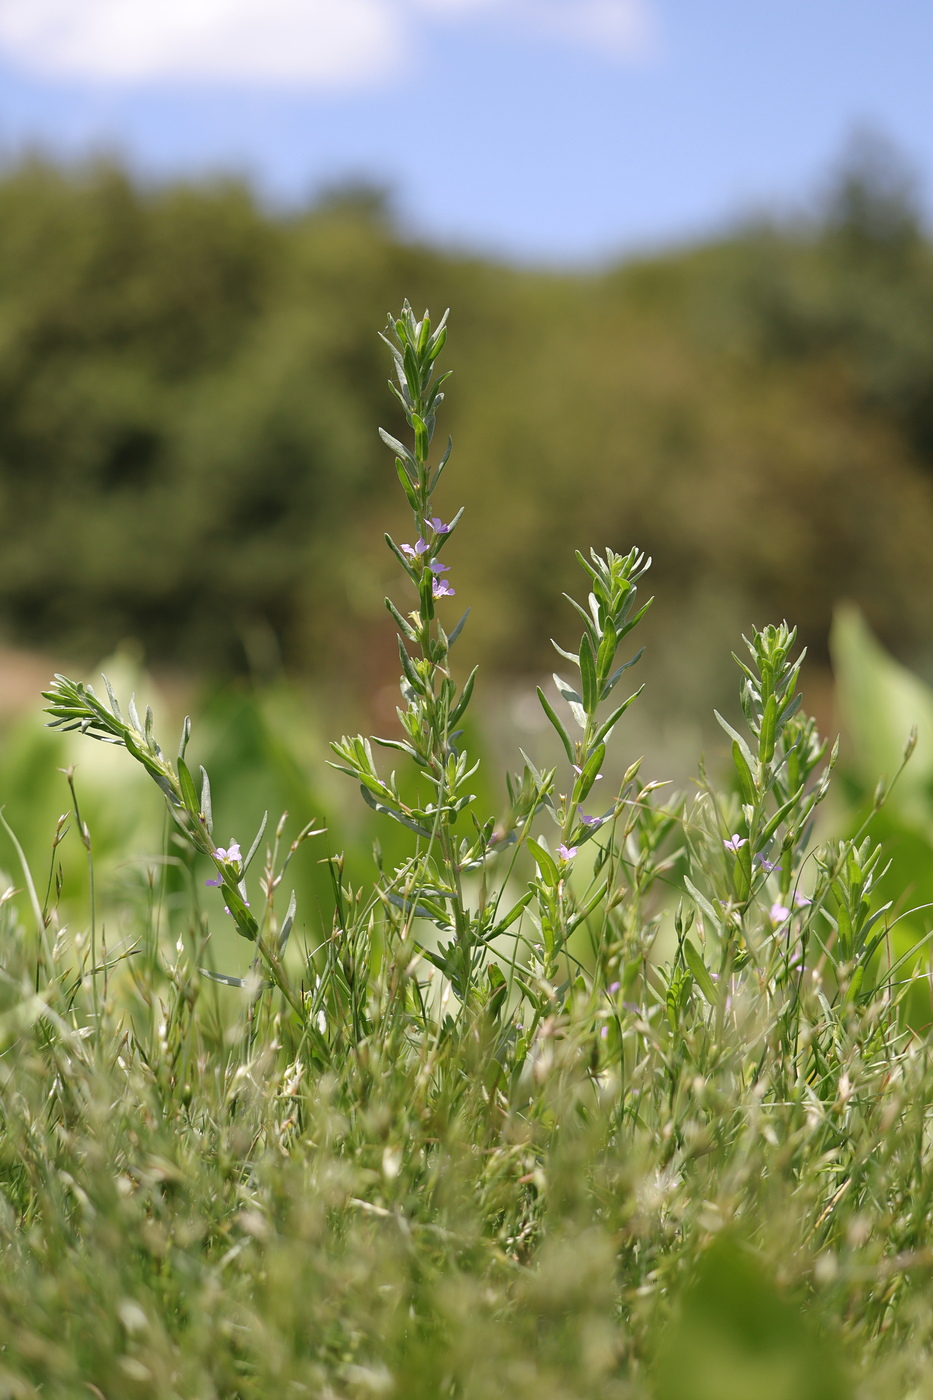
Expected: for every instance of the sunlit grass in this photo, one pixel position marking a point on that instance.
(607, 1095)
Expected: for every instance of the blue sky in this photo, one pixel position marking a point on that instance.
(542, 130)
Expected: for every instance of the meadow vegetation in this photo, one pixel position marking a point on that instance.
(585, 1094)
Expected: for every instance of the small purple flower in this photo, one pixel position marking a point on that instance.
(613, 988)
(420, 548)
(779, 912)
(766, 865)
(438, 526)
(801, 900)
(566, 852)
(589, 821)
(230, 856)
(579, 772)
(437, 567)
(441, 589)
(735, 843)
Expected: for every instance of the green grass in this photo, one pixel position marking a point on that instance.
(639, 1110)
(194, 1204)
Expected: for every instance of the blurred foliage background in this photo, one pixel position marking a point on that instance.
(189, 388)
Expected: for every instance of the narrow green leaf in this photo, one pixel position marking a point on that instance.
(402, 747)
(289, 920)
(206, 808)
(440, 468)
(703, 902)
(403, 626)
(188, 790)
(27, 876)
(610, 685)
(408, 666)
(434, 349)
(561, 731)
(779, 816)
(246, 925)
(545, 863)
(407, 487)
(457, 630)
(592, 903)
(573, 699)
(422, 437)
(224, 979)
(397, 447)
(459, 710)
(607, 651)
(256, 840)
(401, 558)
(700, 971)
(113, 700)
(423, 909)
(588, 675)
(372, 801)
(514, 913)
(766, 735)
(736, 739)
(743, 771)
(426, 593)
(591, 771)
(605, 729)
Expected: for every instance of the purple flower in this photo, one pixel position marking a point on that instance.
(420, 548)
(801, 900)
(766, 865)
(437, 567)
(613, 988)
(566, 852)
(230, 856)
(579, 771)
(438, 526)
(441, 589)
(779, 912)
(736, 843)
(589, 821)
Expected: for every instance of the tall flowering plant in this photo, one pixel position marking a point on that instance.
(574, 919)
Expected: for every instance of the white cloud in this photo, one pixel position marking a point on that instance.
(308, 43)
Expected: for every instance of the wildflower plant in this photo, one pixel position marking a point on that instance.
(743, 912)
(514, 1093)
(74, 705)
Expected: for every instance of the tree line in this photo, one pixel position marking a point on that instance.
(188, 384)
